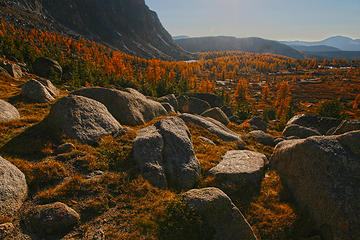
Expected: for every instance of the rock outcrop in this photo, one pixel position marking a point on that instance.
(8, 112)
(322, 173)
(212, 126)
(321, 124)
(165, 155)
(171, 99)
(13, 188)
(262, 137)
(12, 69)
(81, 118)
(239, 174)
(219, 214)
(217, 114)
(212, 99)
(129, 107)
(294, 130)
(192, 105)
(257, 123)
(347, 126)
(54, 219)
(47, 68)
(39, 90)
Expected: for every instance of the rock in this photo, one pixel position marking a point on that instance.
(278, 140)
(13, 69)
(322, 173)
(321, 124)
(171, 99)
(217, 114)
(52, 219)
(212, 99)
(219, 213)
(2, 70)
(165, 154)
(294, 130)
(206, 140)
(13, 188)
(235, 119)
(240, 173)
(192, 105)
(8, 112)
(257, 123)
(6, 229)
(47, 68)
(65, 148)
(39, 90)
(168, 107)
(81, 118)
(263, 138)
(212, 126)
(129, 107)
(347, 126)
(228, 111)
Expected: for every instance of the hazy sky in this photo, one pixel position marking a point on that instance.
(271, 19)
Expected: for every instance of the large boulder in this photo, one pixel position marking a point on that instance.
(262, 137)
(168, 107)
(82, 118)
(347, 126)
(129, 107)
(54, 219)
(39, 90)
(192, 105)
(47, 68)
(8, 112)
(13, 69)
(228, 111)
(212, 99)
(171, 99)
(219, 214)
(165, 154)
(240, 173)
(294, 130)
(257, 123)
(321, 124)
(322, 173)
(212, 126)
(13, 188)
(217, 114)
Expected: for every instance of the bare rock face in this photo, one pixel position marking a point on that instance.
(212, 99)
(218, 212)
(52, 219)
(13, 188)
(82, 118)
(171, 99)
(192, 105)
(165, 154)
(257, 123)
(294, 130)
(13, 69)
(47, 68)
(8, 112)
(322, 173)
(240, 173)
(263, 138)
(168, 107)
(217, 114)
(321, 124)
(129, 107)
(212, 126)
(347, 126)
(39, 90)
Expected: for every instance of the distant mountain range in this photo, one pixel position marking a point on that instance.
(340, 42)
(334, 47)
(223, 43)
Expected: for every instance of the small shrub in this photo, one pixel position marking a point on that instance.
(332, 109)
(243, 110)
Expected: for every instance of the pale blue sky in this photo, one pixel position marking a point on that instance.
(271, 19)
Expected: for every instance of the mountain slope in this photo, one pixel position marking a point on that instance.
(340, 42)
(127, 25)
(221, 43)
(317, 48)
